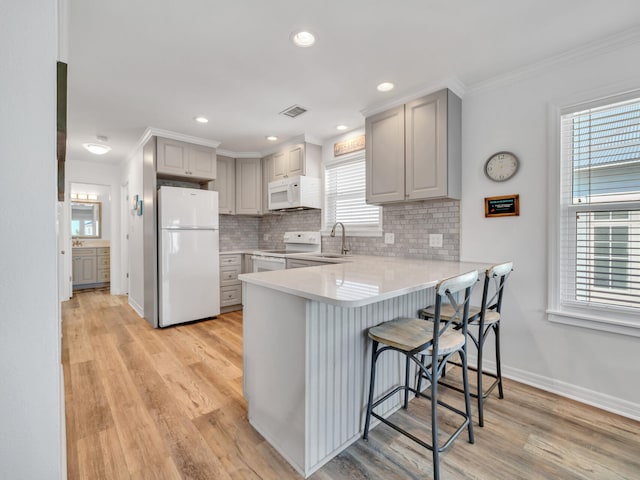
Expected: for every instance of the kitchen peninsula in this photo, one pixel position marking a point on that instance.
(306, 354)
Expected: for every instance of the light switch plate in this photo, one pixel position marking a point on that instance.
(435, 240)
(389, 238)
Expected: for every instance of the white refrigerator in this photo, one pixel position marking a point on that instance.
(188, 251)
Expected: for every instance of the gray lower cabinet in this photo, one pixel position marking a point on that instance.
(91, 267)
(413, 152)
(230, 286)
(299, 263)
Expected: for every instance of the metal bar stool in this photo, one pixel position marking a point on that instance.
(487, 319)
(415, 338)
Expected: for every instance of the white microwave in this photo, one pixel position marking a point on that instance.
(294, 193)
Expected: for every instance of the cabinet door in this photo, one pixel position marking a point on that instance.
(295, 161)
(248, 186)
(172, 157)
(266, 178)
(202, 162)
(84, 269)
(426, 147)
(279, 165)
(225, 185)
(385, 156)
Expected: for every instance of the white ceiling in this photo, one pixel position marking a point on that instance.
(136, 64)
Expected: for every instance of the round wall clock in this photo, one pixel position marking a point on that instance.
(501, 166)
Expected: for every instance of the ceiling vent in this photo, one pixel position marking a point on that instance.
(293, 111)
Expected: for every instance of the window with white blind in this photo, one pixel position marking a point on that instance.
(344, 199)
(600, 211)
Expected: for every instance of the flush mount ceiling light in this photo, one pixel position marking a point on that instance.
(201, 119)
(385, 86)
(272, 138)
(96, 148)
(341, 127)
(303, 39)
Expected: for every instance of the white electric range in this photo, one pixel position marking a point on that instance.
(294, 242)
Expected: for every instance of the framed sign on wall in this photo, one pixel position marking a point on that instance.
(503, 206)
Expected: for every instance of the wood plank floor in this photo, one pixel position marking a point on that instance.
(155, 404)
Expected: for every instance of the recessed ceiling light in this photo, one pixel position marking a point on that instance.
(201, 119)
(303, 39)
(385, 86)
(96, 148)
(342, 127)
(272, 138)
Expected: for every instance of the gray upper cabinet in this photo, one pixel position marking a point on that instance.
(181, 159)
(266, 168)
(225, 185)
(298, 159)
(248, 186)
(385, 156)
(413, 152)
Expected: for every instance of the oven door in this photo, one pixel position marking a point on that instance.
(266, 264)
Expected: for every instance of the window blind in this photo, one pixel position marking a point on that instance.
(345, 196)
(600, 211)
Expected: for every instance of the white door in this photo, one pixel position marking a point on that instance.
(64, 252)
(126, 230)
(187, 207)
(189, 281)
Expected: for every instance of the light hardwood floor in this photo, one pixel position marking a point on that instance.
(154, 404)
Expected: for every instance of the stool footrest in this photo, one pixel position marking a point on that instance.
(388, 422)
(485, 393)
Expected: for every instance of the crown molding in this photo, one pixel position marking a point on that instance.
(592, 49)
(158, 132)
(182, 137)
(229, 153)
(452, 83)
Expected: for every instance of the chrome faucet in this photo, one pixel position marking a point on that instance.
(345, 249)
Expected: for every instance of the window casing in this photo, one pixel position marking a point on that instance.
(345, 198)
(599, 225)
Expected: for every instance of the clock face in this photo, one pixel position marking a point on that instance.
(501, 166)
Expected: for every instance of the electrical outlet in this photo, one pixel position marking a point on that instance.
(389, 238)
(435, 240)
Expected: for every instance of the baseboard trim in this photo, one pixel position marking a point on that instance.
(137, 308)
(568, 390)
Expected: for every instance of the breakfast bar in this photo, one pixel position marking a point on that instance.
(306, 354)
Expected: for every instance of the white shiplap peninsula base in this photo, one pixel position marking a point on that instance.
(307, 355)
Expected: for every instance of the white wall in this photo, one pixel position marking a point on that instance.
(31, 425)
(512, 114)
(132, 174)
(109, 176)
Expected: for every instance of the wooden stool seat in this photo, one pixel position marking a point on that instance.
(408, 334)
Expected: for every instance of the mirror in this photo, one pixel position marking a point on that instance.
(86, 219)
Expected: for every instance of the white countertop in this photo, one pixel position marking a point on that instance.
(361, 281)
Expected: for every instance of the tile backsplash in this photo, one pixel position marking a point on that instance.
(411, 223)
(238, 232)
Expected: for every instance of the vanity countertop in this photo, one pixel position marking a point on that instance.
(90, 243)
